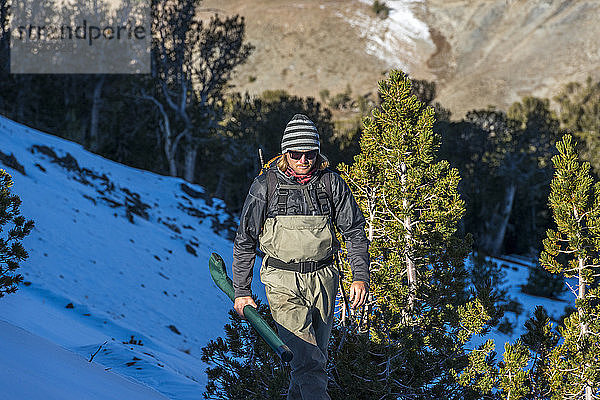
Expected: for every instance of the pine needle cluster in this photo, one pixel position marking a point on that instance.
(573, 249)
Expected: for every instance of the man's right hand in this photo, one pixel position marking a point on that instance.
(241, 302)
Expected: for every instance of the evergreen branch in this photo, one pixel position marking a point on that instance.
(389, 210)
(582, 216)
(571, 289)
(568, 252)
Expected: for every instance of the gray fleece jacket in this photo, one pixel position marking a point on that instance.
(347, 217)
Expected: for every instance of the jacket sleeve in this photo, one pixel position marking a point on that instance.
(246, 238)
(351, 224)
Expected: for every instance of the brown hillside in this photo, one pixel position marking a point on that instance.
(481, 52)
(502, 50)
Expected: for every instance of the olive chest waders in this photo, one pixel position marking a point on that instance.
(301, 283)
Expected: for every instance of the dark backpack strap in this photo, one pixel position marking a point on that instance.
(271, 185)
(325, 194)
(282, 198)
(311, 203)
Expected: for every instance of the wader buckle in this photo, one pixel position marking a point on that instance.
(307, 266)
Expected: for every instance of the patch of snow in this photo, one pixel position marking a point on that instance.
(34, 368)
(394, 39)
(132, 289)
(517, 272)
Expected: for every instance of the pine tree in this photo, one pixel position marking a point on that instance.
(573, 249)
(503, 159)
(579, 106)
(563, 366)
(540, 339)
(242, 365)
(11, 249)
(421, 314)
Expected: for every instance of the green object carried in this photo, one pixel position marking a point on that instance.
(219, 275)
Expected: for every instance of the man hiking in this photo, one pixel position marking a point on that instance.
(291, 210)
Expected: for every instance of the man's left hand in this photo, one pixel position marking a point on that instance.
(358, 293)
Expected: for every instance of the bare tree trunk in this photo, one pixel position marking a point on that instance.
(580, 295)
(371, 223)
(509, 198)
(411, 271)
(191, 151)
(94, 115)
(170, 144)
(371, 203)
(493, 237)
(219, 189)
(583, 326)
(170, 150)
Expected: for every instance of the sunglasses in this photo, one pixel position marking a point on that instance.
(297, 155)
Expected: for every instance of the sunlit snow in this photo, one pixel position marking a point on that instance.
(393, 39)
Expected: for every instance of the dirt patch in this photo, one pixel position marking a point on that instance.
(303, 47)
(440, 60)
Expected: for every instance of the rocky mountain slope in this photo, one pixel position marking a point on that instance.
(497, 51)
(480, 52)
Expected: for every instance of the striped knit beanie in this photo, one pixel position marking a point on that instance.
(300, 135)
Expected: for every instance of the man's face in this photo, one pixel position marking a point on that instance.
(301, 161)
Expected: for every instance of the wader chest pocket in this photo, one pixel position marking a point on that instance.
(294, 238)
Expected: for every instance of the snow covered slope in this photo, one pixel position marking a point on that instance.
(118, 255)
(33, 366)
